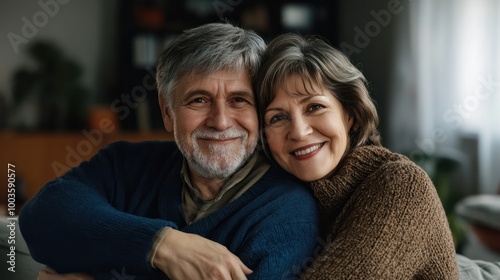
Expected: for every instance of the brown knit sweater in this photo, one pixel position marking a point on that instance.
(386, 221)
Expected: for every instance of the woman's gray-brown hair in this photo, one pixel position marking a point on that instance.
(207, 49)
(316, 62)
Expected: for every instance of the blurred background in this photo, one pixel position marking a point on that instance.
(76, 75)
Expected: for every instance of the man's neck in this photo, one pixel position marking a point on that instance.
(209, 188)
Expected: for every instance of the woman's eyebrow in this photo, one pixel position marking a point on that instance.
(273, 109)
(308, 97)
(301, 101)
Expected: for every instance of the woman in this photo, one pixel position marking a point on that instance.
(385, 219)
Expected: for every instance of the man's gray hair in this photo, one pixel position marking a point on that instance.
(205, 50)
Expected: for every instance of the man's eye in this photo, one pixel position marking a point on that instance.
(239, 99)
(243, 100)
(198, 100)
(240, 102)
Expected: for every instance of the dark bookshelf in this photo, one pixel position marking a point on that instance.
(146, 26)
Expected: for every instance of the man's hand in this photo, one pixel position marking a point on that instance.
(48, 273)
(188, 256)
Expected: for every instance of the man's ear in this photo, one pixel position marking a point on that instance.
(165, 114)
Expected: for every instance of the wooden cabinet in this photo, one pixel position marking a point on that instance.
(40, 157)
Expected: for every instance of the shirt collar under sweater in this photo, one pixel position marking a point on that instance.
(333, 192)
(194, 208)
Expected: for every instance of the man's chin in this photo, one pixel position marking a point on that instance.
(216, 171)
(218, 166)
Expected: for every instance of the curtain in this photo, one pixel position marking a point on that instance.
(447, 84)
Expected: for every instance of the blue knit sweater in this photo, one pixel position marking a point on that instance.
(102, 217)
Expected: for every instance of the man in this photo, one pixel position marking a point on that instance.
(205, 207)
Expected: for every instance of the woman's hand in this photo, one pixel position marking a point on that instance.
(48, 273)
(188, 256)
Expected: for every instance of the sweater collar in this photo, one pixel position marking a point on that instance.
(195, 208)
(333, 192)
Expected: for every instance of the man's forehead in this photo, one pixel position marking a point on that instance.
(234, 79)
(229, 72)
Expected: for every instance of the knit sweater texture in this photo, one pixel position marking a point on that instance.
(102, 217)
(385, 221)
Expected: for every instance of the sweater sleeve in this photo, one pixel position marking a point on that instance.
(392, 227)
(282, 244)
(73, 226)
(280, 252)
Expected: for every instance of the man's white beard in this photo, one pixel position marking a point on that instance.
(222, 160)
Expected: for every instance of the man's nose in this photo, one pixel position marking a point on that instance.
(220, 116)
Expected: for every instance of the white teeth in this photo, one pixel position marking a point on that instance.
(307, 151)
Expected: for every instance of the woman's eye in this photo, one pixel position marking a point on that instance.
(315, 107)
(277, 118)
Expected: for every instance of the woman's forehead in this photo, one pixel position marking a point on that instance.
(295, 84)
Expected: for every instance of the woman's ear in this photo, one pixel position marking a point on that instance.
(165, 114)
(350, 122)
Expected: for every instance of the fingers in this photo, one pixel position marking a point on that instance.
(244, 268)
(45, 273)
(187, 256)
(230, 268)
(48, 273)
(239, 273)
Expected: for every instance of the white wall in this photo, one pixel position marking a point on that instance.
(84, 29)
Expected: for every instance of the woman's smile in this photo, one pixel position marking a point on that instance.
(307, 151)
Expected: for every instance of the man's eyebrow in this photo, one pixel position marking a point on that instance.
(237, 92)
(242, 92)
(197, 91)
(188, 94)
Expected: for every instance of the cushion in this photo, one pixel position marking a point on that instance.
(25, 266)
(477, 270)
(481, 209)
(482, 212)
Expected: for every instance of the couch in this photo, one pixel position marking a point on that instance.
(26, 268)
(481, 214)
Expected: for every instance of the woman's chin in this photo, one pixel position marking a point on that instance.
(309, 177)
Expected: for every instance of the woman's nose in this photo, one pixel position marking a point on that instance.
(299, 128)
